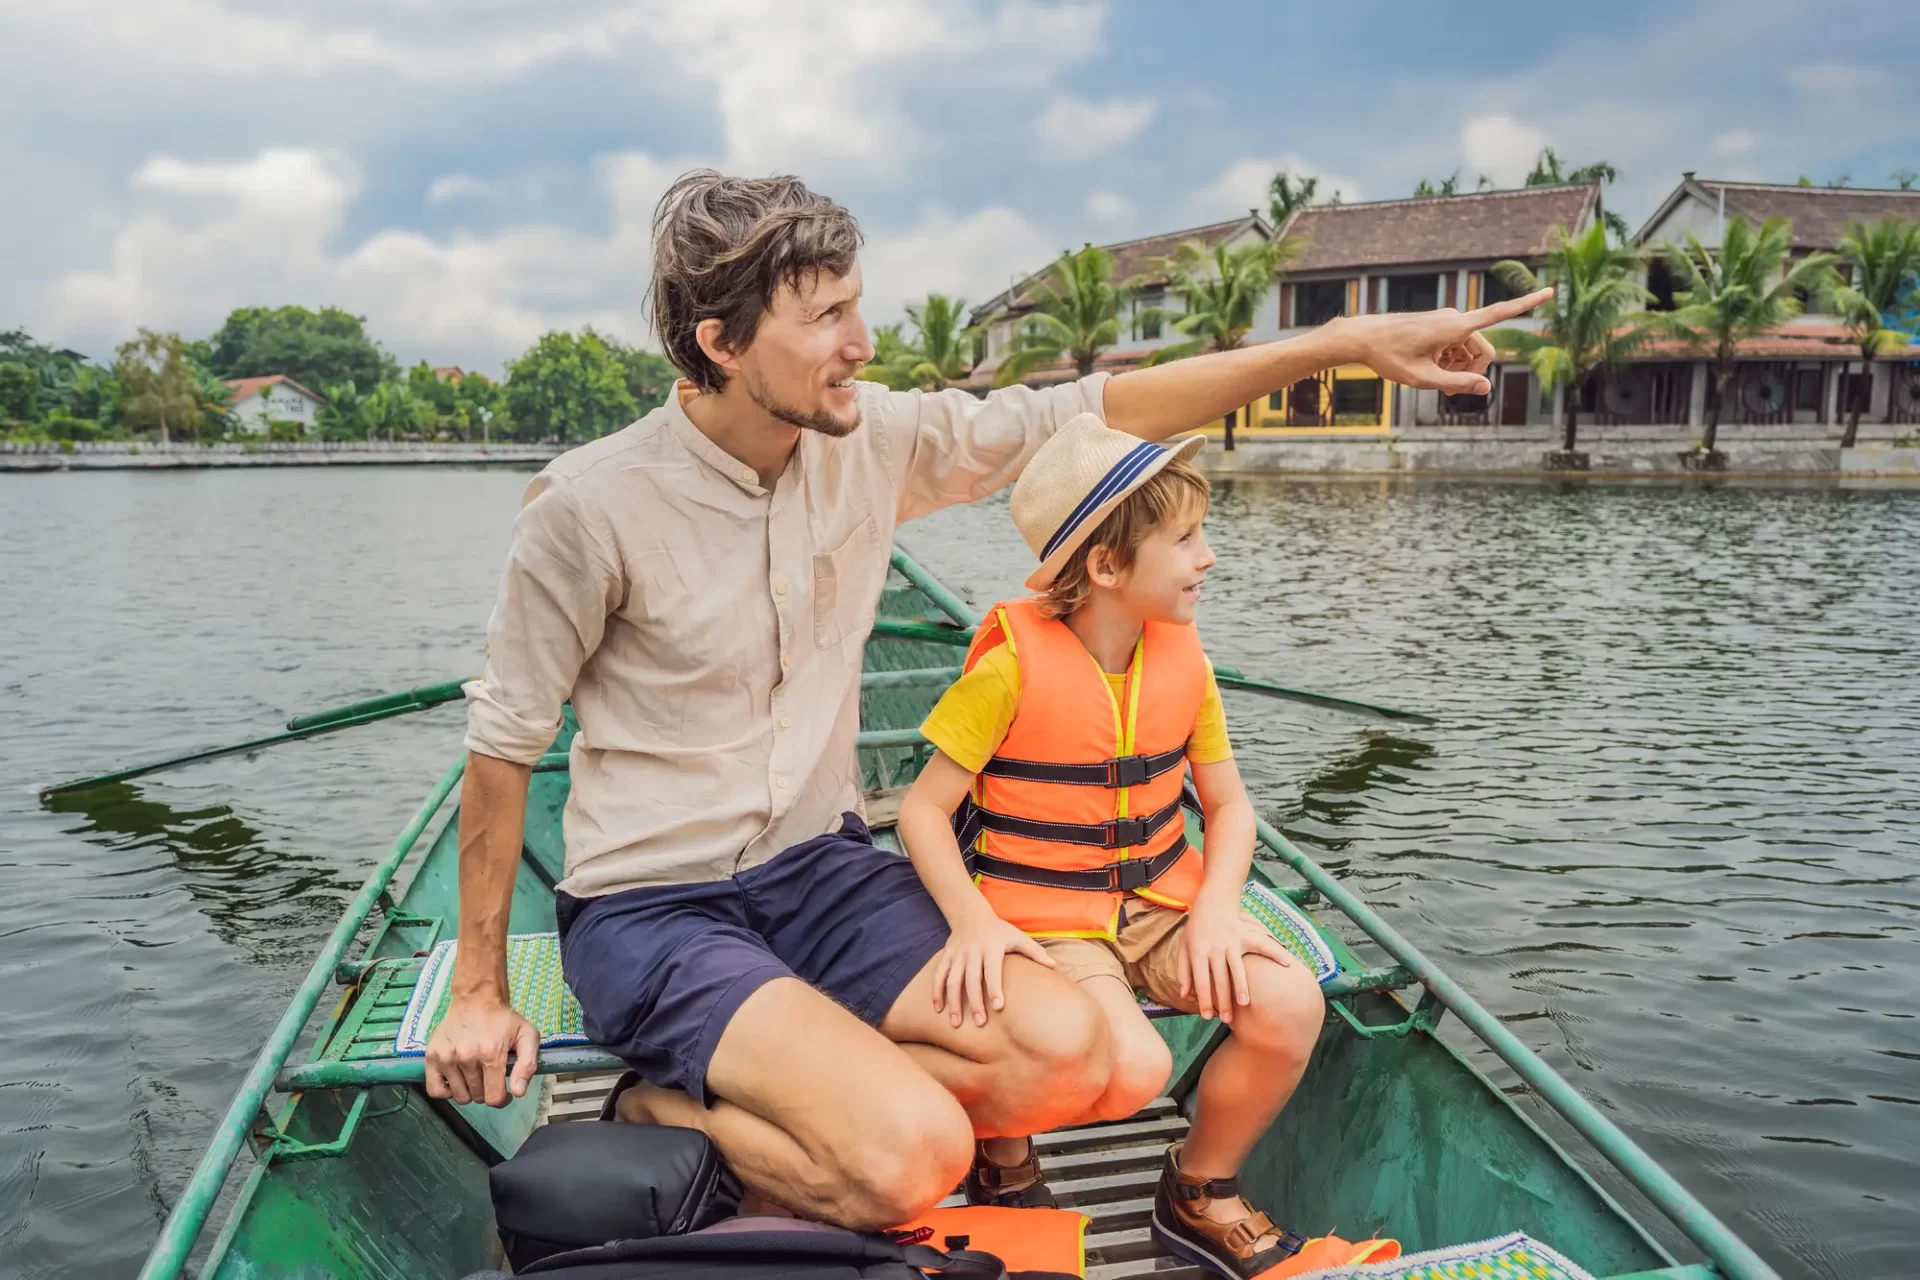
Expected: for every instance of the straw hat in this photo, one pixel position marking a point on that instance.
(1077, 477)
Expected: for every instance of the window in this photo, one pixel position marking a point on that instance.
(1493, 289)
(1806, 390)
(1356, 396)
(1413, 293)
(1273, 401)
(1318, 301)
(1147, 327)
(1660, 285)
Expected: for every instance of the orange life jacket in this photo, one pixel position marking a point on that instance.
(1080, 806)
(1046, 1240)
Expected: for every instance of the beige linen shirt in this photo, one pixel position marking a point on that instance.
(709, 631)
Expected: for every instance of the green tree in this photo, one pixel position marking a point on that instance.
(1883, 261)
(649, 375)
(315, 348)
(162, 390)
(1447, 186)
(1287, 193)
(213, 400)
(941, 342)
(1595, 320)
(1549, 171)
(1741, 291)
(19, 393)
(1076, 316)
(569, 387)
(893, 360)
(478, 400)
(438, 396)
(344, 415)
(1221, 290)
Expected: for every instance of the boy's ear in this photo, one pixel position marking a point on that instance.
(1101, 570)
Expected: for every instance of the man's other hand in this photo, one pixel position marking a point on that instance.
(1434, 350)
(467, 1054)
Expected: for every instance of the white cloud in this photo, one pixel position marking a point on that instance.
(1500, 147)
(1243, 185)
(1077, 128)
(463, 186)
(1842, 81)
(972, 257)
(1108, 206)
(1735, 142)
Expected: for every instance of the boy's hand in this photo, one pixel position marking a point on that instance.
(1216, 939)
(969, 970)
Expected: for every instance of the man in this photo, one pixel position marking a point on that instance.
(699, 586)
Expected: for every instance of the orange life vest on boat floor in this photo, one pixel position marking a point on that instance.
(1080, 806)
(1049, 1240)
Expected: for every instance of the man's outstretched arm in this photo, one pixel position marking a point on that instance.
(466, 1059)
(1436, 350)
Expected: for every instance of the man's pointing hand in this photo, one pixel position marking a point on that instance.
(1436, 350)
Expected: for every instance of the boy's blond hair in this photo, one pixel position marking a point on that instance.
(1171, 492)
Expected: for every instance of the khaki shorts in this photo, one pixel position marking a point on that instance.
(1146, 955)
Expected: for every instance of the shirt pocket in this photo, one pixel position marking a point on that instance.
(839, 576)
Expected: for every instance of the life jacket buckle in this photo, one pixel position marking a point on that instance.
(1130, 875)
(1127, 771)
(1120, 833)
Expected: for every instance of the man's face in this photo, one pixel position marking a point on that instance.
(799, 367)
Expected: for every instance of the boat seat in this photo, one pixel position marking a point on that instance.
(402, 998)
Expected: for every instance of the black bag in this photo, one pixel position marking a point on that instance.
(772, 1254)
(573, 1186)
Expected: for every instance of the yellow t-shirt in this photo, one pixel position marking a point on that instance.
(972, 717)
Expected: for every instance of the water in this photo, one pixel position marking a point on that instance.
(1667, 826)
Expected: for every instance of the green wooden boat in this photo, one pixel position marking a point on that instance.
(351, 1171)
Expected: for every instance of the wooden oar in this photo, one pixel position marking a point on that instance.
(306, 726)
(1228, 678)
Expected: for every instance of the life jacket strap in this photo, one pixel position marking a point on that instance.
(1134, 873)
(1122, 771)
(1115, 833)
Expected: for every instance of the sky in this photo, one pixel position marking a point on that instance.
(468, 174)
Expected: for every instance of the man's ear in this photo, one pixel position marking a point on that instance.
(709, 333)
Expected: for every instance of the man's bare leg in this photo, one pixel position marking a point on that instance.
(1040, 1062)
(818, 1112)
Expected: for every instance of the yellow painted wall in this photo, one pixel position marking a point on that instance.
(1258, 422)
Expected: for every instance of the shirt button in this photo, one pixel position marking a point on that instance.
(786, 660)
(785, 723)
(747, 476)
(779, 588)
(779, 782)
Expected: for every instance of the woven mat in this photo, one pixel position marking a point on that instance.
(534, 985)
(1514, 1257)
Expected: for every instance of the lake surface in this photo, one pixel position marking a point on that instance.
(1668, 826)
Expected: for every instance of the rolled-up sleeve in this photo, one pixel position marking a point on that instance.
(950, 447)
(563, 578)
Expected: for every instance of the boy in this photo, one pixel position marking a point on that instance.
(1062, 748)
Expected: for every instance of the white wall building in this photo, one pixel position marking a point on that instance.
(258, 402)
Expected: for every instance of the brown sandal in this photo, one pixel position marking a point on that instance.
(1233, 1249)
(1010, 1186)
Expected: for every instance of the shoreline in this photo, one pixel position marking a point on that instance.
(173, 457)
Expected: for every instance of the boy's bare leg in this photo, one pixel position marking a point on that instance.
(1252, 1074)
(1042, 1061)
(1141, 1060)
(818, 1112)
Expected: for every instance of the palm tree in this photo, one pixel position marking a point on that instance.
(1548, 171)
(1744, 290)
(893, 361)
(1076, 316)
(1595, 320)
(1221, 290)
(1447, 186)
(1883, 263)
(1287, 193)
(941, 340)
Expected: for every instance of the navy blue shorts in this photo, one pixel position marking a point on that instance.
(659, 971)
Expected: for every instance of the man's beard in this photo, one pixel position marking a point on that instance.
(822, 421)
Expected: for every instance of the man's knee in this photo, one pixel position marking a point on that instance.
(904, 1155)
(1286, 1012)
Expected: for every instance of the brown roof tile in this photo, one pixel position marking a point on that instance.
(1484, 226)
(243, 388)
(1820, 214)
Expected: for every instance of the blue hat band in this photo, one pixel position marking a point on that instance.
(1119, 476)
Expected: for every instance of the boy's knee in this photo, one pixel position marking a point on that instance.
(1140, 1072)
(1057, 1057)
(1286, 1012)
(906, 1155)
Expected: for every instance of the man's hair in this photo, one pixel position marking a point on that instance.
(1173, 491)
(723, 247)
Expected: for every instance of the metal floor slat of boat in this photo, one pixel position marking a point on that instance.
(1106, 1171)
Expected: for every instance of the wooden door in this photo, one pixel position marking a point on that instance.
(1516, 394)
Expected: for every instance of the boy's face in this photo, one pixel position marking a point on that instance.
(1164, 583)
